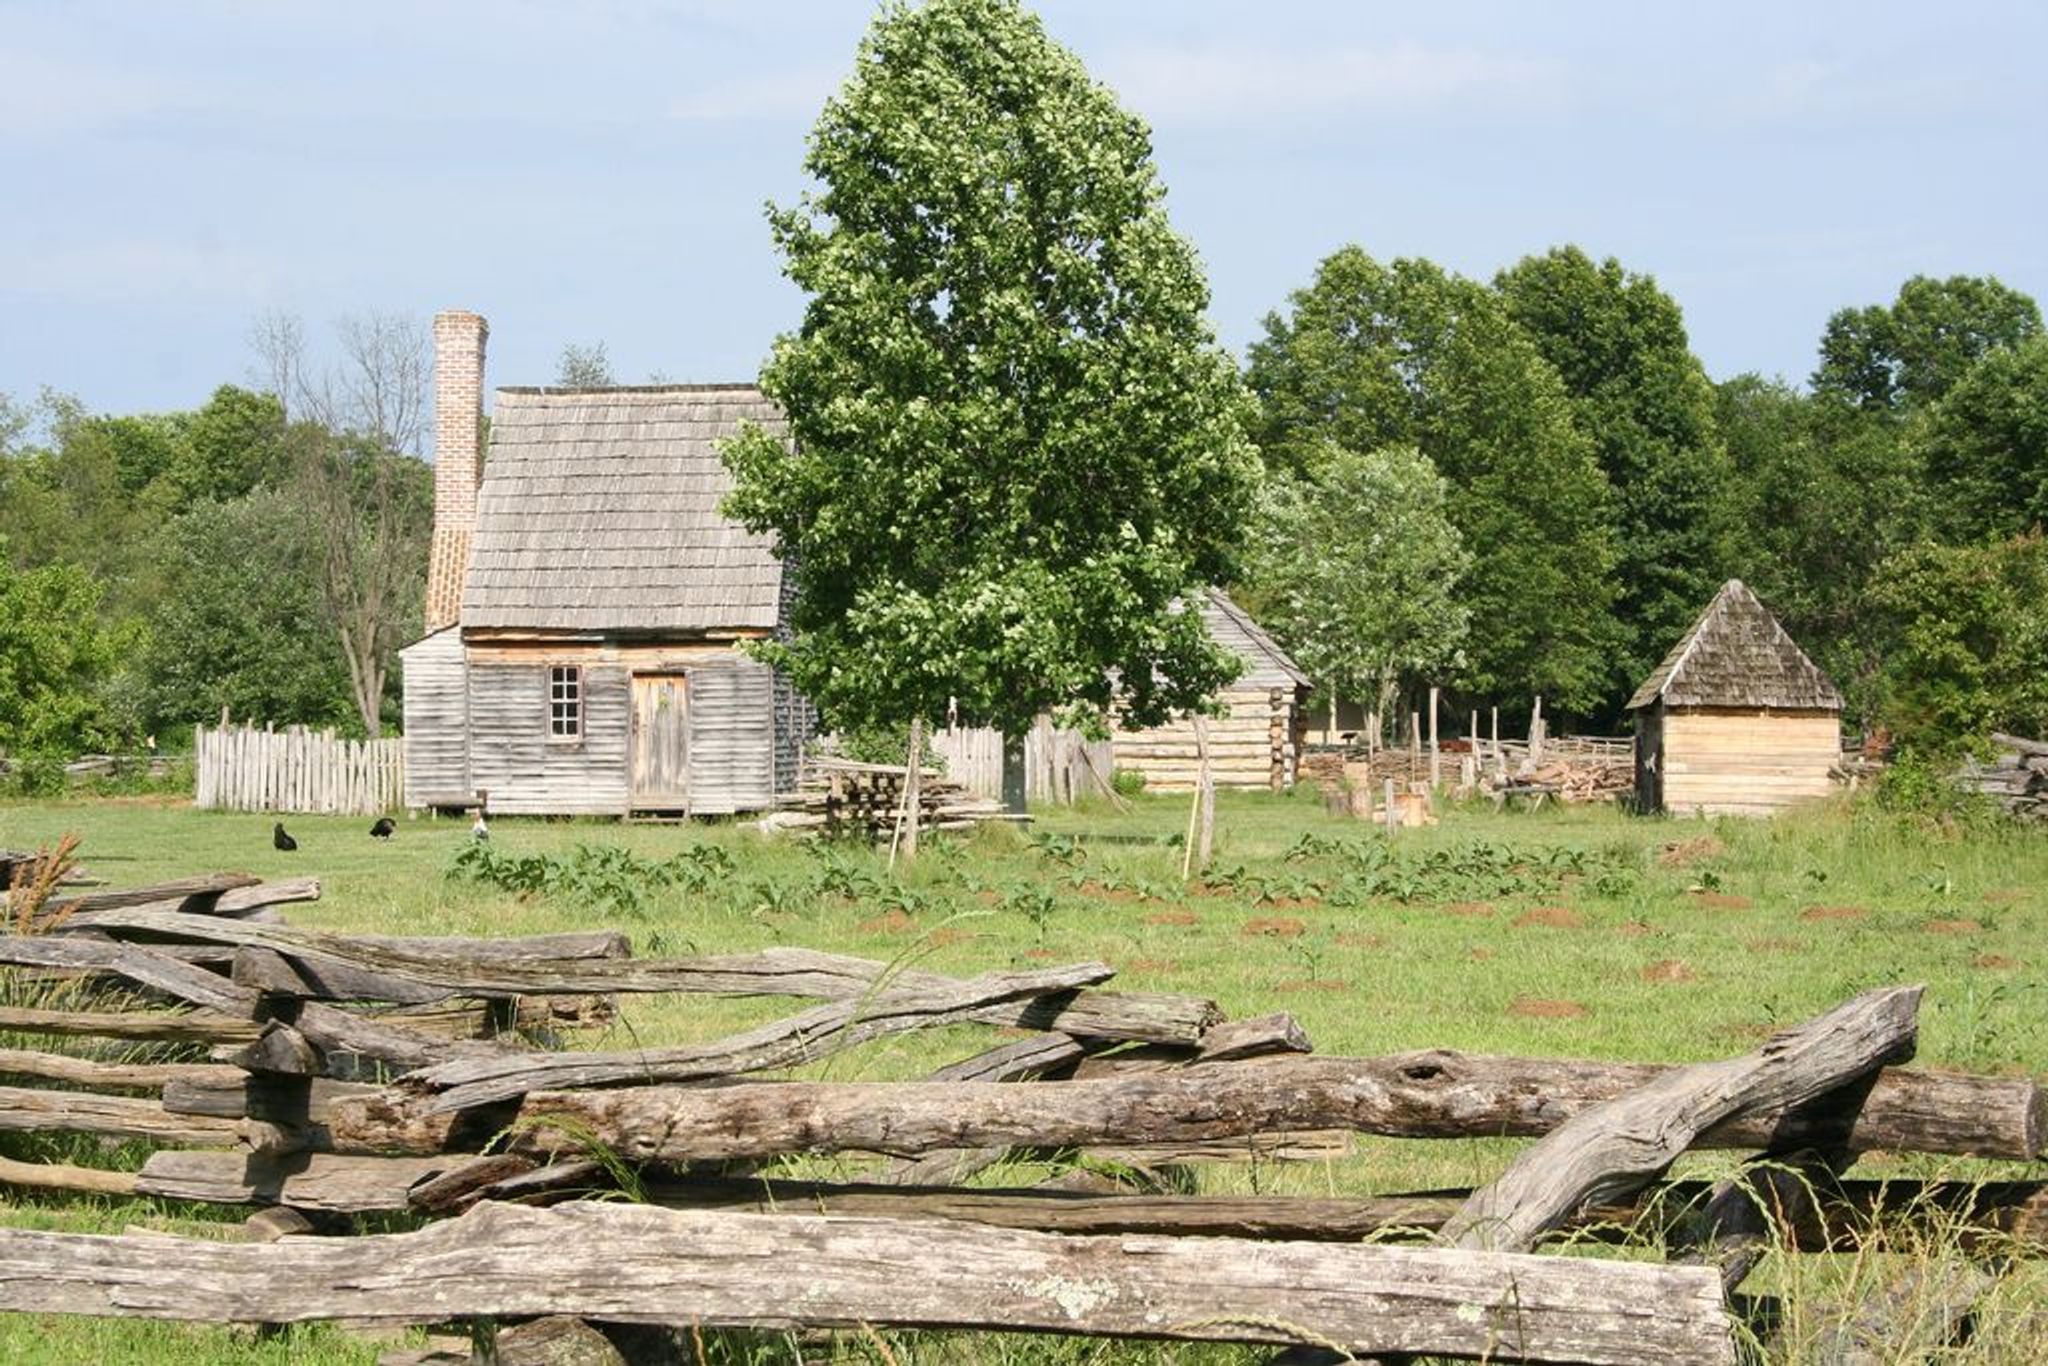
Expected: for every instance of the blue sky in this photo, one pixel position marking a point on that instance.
(595, 170)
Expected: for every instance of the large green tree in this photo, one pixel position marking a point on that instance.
(1015, 440)
(1618, 342)
(56, 659)
(1985, 445)
(1372, 355)
(1898, 356)
(1357, 568)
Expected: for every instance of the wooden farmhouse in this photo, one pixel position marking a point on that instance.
(1736, 720)
(585, 604)
(586, 601)
(1257, 742)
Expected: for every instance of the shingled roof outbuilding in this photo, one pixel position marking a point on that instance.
(599, 511)
(1737, 655)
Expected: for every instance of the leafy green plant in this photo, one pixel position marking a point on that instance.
(1034, 901)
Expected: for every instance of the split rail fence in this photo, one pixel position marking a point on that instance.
(349, 1076)
(242, 768)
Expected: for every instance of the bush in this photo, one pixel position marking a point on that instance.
(1128, 782)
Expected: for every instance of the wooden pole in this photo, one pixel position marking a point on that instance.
(1208, 793)
(1393, 815)
(1536, 732)
(1436, 766)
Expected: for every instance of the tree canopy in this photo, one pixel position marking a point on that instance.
(1642, 398)
(1896, 357)
(1016, 442)
(1373, 355)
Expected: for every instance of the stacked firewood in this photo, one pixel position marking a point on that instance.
(842, 797)
(2017, 778)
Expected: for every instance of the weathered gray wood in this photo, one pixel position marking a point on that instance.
(231, 1093)
(192, 1026)
(1739, 1217)
(331, 1029)
(1616, 1148)
(459, 1186)
(1029, 1059)
(815, 1033)
(26, 1110)
(1143, 1017)
(180, 893)
(557, 1340)
(280, 1050)
(1427, 1095)
(266, 972)
(116, 1076)
(322, 1181)
(643, 1264)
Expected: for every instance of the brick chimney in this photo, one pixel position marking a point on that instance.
(458, 457)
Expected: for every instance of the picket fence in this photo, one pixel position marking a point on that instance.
(1060, 766)
(242, 768)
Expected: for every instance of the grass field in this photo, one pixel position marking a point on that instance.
(1573, 932)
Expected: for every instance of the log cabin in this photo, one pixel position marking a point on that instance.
(587, 605)
(1736, 720)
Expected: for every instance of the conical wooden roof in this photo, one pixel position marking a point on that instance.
(1737, 655)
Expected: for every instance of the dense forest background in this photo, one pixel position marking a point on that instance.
(1522, 486)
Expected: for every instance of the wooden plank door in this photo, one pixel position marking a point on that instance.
(661, 742)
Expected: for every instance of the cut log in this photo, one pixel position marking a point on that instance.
(320, 1181)
(461, 1185)
(1417, 1095)
(280, 1051)
(1141, 1017)
(193, 1026)
(115, 1076)
(1616, 1148)
(23, 1110)
(621, 1262)
(816, 1033)
(1029, 1059)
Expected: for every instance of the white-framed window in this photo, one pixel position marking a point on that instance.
(565, 702)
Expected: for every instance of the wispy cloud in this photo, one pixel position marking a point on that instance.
(1232, 85)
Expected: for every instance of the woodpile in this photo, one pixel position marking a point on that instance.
(355, 1076)
(1572, 769)
(840, 797)
(2016, 778)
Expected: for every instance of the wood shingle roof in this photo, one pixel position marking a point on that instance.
(1737, 655)
(599, 511)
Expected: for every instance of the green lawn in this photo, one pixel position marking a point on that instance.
(1571, 932)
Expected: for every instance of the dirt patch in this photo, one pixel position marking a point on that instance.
(1775, 945)
(1994, 962)
(1351, 939)
(1043, 955)
(1120, 895)
(1669, 970)
(1833, 913)
(1536, 1008)
(894, 922)
(1632, 929)
(1722, 901)
(1291, 903)
(1952, 927)
(1150, 965)
(1550, 917)
(1468, 908)
(1680, 853)
(1324, 984)
(1480, 955)
(2005, 896)
(1274, 926)
(1172, 918)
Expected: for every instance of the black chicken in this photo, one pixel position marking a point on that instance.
(383, 828)
(280, 840)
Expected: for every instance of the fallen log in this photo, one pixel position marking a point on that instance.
(816, 1033)
(1414, 1095)
(1042, 1055)
(621, 1262)
(1615, 1148)
(1141, 1017)
(26, 1110)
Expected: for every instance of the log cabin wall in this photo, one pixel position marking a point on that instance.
(436, 687)
(1242, 746)
(1746, 761)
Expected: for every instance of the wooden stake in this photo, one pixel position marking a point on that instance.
(1536, 732)
(1436, 767)
(1208, 785)
(1393, 815)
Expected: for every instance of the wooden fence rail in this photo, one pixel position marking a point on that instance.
(241, 768)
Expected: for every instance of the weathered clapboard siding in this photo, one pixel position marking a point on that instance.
(526, 772)
(1748, 762)
(732, 736)
(436, 689)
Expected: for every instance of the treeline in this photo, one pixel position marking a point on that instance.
(263, 553)
(1531, 486)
